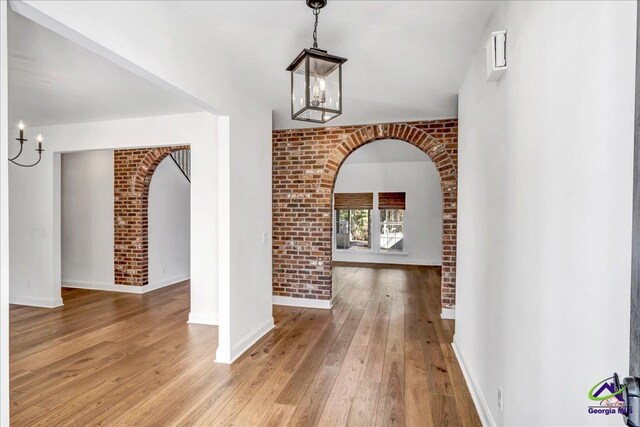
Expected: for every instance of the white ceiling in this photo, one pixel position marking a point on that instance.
(387, 151)
(55, 81)
(406, 59)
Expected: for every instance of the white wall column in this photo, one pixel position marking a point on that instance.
(223, 353)
(4, 220)
(204, 227)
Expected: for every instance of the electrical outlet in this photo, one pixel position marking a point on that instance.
(500, 398)
(265, 237)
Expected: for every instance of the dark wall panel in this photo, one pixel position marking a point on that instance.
(635, 272)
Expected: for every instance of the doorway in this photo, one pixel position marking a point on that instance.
(388, 207)
(117, 239)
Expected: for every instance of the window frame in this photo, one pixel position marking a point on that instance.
(375, 231)
(336, 220)
(380, 234)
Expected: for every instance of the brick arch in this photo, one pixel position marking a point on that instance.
(133, 170)
(305, 165)
(401, 131)
(447, 171)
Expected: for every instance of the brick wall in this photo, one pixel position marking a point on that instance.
(305, 165)
(133, 170)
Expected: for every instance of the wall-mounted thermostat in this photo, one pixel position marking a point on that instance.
(496, 52)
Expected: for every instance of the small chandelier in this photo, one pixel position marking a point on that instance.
(316, 79)
(21, 139)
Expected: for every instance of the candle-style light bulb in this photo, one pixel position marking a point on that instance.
(323, 91)
(39, 142)
(21, 127)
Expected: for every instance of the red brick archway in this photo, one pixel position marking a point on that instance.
(133, 170)
(305, 167)
(448, 182)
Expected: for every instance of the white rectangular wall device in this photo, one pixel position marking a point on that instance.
(496, 54)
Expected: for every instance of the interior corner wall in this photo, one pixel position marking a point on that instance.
(87, 218)
(169, 225)
(545, 204)
(422, 227)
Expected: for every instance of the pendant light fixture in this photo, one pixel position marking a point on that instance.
(21, 139)
(316, 79)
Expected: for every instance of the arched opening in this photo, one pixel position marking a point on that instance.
(447, 172)
(105, 200)
(169, 221)
(387, 207)
(134, 170)
(305, 166)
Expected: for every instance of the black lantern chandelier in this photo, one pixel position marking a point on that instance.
(316, 80)
(21, 139)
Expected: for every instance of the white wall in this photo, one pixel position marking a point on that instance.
(87, 218)
(420, 181)
(32, 231)
(169, 225)
(248, 244)
(545, 193)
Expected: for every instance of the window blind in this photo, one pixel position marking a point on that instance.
(391, 201)
(353, 201)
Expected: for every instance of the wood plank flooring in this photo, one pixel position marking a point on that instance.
(380, 357)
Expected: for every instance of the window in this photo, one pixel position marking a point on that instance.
(391, 208)
(353, 228)
(391, 229)
(353, 220)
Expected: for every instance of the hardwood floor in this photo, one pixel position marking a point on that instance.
(380, 357)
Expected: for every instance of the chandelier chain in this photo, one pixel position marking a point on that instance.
(316, 12)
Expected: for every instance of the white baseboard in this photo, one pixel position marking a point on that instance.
(98, 286)
(476, 394)
(37, 302)
(426, 262)
(203, 318)
(228, 356)
(383, 258)
(448, 313)
(166, 282)
(302, 302)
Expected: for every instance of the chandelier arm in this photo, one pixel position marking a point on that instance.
(19, 152)
(28, 166)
